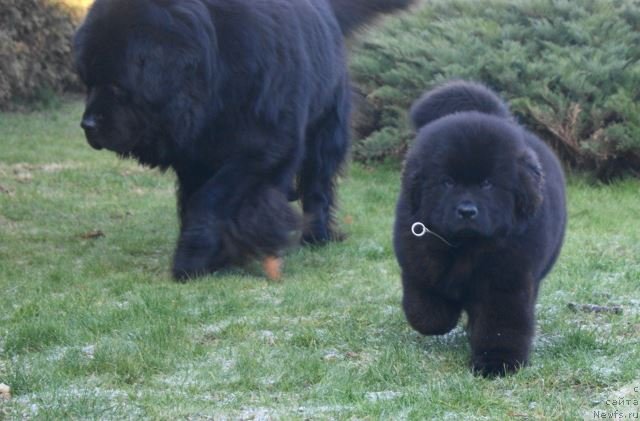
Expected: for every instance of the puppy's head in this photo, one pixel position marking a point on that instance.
(470, 175)
(146, 67)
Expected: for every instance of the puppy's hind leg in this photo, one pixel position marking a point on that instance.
(327, 143)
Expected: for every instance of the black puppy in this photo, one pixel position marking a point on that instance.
(243, 99)
(480, 221)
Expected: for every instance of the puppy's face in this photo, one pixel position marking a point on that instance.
(472, 177)
(464, 208)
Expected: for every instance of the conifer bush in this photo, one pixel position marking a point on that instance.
(35, 50)
(570, 70)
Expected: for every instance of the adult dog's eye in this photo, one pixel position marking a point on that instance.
(486, 184)
(448, 182)
(119, 92)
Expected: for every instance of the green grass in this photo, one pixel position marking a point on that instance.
(94, 328)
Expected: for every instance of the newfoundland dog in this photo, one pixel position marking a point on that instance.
(479, 223)
(246, 100)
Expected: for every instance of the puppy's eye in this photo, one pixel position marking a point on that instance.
(486, 184)
(448, 182)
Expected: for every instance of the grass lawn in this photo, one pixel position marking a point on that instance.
(92, 327)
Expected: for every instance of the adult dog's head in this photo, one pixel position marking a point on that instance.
(147, 66)
(472, 175)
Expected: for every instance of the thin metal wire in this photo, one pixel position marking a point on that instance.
(424, 230)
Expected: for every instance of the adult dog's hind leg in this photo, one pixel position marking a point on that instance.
(327, 143)
(203, 210)
(241, 212)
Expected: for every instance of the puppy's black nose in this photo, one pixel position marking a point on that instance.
(467, 210)
(89, 124)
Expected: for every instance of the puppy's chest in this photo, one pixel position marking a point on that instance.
(458, 275)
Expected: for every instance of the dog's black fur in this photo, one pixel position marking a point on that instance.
(248, 101)
(496, 193)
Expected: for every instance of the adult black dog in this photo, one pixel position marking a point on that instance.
(480, 221)
(247, 100)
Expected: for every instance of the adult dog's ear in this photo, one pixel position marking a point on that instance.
(530, 189)
(160, 67)
(172, 78)
(174, 49)
(176, 71)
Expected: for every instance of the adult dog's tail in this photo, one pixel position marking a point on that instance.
(352, 14)
(455, 97)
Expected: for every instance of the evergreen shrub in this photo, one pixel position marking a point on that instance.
(570, 70)
(35, 50)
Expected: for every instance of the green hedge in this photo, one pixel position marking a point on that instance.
(35, 50)
(570, 69)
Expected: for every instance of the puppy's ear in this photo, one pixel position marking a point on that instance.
(530, 188)
(412, 182)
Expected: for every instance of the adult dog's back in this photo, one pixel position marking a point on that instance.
(352, 14)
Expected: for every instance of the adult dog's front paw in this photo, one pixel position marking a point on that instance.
(320, 232)
(495, 363)
(196, 254)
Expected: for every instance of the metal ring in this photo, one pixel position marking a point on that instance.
(422, 228)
